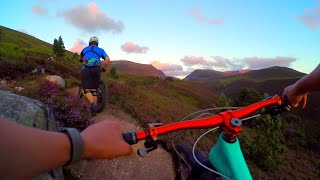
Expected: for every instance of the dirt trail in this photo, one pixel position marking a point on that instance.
(157, 165)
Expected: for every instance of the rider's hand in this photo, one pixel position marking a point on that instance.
(294, 96)
(104, 141)
(104, 70)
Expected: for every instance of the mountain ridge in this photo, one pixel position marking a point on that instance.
(134, 68)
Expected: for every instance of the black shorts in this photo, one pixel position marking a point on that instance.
(91, 78)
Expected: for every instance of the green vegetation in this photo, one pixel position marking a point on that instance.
(224, 101)
(58, 47)
(113, 73)
(21, 54)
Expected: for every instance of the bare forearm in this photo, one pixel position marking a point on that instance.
(27, 152)
(107, 61)
(310, 82)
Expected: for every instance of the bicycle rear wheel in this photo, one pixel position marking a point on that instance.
(102, 97)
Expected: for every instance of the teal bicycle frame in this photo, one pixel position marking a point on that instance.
(228, 159)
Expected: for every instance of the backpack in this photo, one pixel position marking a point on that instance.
(91, 62)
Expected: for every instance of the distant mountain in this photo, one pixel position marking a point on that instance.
(204, 74)
(276, 72)
(269, 80)
(236, 72)
(208, 74)
(133, 68)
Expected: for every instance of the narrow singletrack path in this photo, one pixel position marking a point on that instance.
(157, 165)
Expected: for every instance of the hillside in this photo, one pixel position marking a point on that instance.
(203, 75)
(269, 80)
(133, 68)
(22, 42)
(275, 72)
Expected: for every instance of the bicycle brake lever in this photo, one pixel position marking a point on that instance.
(275, 110)
(144, 152)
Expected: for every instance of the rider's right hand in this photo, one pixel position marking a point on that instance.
(104, 140)
(294, 96)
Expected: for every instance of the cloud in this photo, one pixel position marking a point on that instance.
(78, 46)
(39, 9)
(194, 60)
(196, 13)
(131, 47)
(223, 64)
(170, 69)
(311, 17)
(90, 19)
(258, 63)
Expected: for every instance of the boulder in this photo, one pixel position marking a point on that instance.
(32, 113)
(56, 79)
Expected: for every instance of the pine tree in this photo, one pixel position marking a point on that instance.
(58, 47)
(60, 41)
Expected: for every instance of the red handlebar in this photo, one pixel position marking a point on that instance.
(222, 119)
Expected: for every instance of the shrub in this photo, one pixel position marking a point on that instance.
(132, 83)
(224, 101)
(247, 96)
(294, 130)
(113, 73)
(69, 111)
(150, 81)
(267, 145)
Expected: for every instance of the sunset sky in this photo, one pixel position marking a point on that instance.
(178, 36)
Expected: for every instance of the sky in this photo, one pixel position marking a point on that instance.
(179, 36)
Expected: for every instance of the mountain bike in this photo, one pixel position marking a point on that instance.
(101, 96)
(225, 157)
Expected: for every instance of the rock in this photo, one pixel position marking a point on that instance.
(19, 88)
(51, 59)
(38, 71)
(34, 71)
(57, 79)
(28, 112)
(3, 82)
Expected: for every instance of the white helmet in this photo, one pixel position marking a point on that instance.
(94, 39)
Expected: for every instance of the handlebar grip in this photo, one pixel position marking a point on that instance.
(130, 137)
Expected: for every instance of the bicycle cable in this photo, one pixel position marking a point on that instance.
(195, 144)
(189, 115)
(204, 166)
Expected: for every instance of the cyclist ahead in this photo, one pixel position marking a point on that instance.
(91, 69)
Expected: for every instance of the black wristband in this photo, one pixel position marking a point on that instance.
(76, 144)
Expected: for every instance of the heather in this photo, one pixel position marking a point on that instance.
(69, 111)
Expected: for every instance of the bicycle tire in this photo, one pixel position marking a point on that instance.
(197, 171)
(102, 97)
(80, 95)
